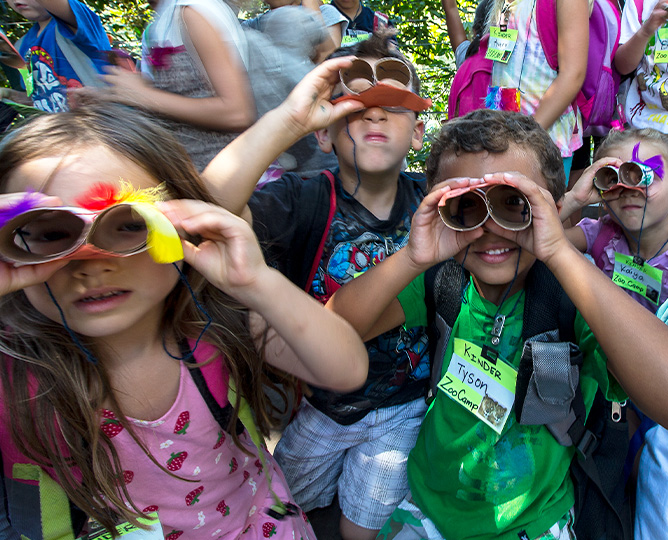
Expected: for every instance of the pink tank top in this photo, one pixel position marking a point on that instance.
(220, 492)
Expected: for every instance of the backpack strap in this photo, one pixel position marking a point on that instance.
(81, 63)
(209, 381)
(330, 216)
(639, 7)
(605, 235)
(443, 299)
(546, 24)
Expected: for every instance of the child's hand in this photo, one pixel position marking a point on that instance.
(430, 241)
(583, 192)
(308, 107)
(656, 20)
(229, 256)
(123, 87)
(16, 278)
(545, 237)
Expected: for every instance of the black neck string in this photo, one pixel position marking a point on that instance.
(357, 170)
(201, 309)
(87, 353)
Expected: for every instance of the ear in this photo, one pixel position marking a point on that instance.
(324, 140)
(418, 135)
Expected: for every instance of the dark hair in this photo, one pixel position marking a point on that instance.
(494, 131)
(479, 25)
(616, 138)
(61, 409)
(380, 44)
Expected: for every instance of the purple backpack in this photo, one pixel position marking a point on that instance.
(597, 98)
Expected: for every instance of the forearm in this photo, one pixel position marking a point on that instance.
(454, 24)
(634, 340)
(233, 174)
(375, 290)
(629, 55)
(213, 112)
(312, 343)
(558, 97)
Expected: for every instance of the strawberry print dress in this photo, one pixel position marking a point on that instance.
(217, 491)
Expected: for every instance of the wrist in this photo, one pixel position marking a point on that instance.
(562, 257)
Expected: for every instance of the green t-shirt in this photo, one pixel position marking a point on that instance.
(472, 482)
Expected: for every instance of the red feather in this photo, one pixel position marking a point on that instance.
(99, 197)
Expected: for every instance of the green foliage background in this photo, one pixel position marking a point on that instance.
(421, 30)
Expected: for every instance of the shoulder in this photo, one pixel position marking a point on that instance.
(331, 15)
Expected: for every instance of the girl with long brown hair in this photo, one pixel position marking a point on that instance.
(100, 351)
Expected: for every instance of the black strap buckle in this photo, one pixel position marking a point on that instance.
(586, 445)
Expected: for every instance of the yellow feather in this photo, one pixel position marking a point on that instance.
(128, 194)
(164, 244)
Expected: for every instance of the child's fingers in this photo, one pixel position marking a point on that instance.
(13, 279)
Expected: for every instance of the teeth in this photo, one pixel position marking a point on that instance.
(497, 251)
(100, 297)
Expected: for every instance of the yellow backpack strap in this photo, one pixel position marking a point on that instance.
(53, 502)
(246, 416)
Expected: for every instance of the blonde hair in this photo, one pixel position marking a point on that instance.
(50, 390)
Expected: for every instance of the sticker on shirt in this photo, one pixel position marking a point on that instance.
(127, 531)
(638, 276)
(481, 382)
(661, 50)
(501, 44)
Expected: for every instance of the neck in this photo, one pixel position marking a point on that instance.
(43, 23)
(376, 192)
(352, 12)
(652, 242)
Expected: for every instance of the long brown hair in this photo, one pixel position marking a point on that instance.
(51, 392)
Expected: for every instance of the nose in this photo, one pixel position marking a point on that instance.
(375, 114)
(86, 268)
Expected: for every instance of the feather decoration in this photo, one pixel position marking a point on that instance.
(655, 163)
(101, 196)
(509, 99)
(493, 98)
(162, 241)
(28, 202)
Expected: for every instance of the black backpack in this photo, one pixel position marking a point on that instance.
(602, 505)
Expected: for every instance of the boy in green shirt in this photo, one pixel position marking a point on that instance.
(475, 471)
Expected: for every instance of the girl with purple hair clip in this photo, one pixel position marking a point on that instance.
(630, 243)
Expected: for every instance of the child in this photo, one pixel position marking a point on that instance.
(96, 372)
(467, 478)
(306, 34)
(362, 21)
(197, 56)
(635, 225)
(544, 93)
(642, 43)
(354, 442)
(304, 37)
(52, 73)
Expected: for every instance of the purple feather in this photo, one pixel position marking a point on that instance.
(28, 202)
(655, 162)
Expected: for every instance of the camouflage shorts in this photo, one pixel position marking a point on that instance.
(407, 522)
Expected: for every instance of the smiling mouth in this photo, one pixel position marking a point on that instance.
(496, 251)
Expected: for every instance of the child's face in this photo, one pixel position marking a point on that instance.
(628, 206)
(30, 9)
(108, 298)
(381, 138)
(493, 260)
